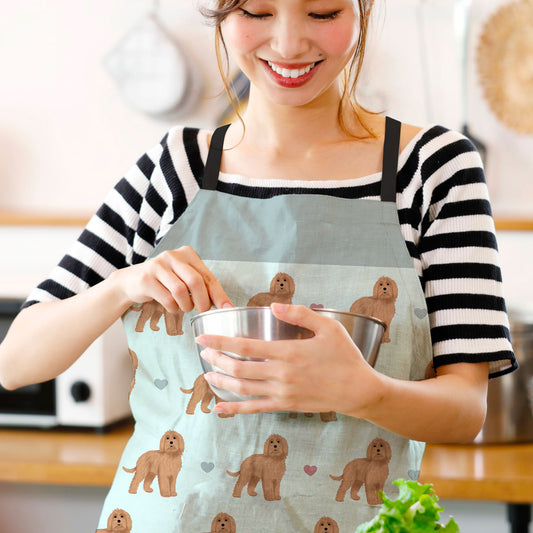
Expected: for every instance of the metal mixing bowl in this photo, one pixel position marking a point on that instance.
(260, 323)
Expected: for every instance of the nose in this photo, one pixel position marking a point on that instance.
(290, 39)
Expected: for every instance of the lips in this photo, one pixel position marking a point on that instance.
(291, 75)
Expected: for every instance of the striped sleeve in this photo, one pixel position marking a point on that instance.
(131, 220)
(458, 257)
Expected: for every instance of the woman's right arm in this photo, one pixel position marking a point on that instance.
(46, 338)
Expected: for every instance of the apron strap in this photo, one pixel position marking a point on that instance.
(212, 166)
(391, 151)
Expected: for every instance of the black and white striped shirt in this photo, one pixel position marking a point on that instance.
(443, 208)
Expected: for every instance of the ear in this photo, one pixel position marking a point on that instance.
(369, 450)
(375, 292)
(129, 523)
(395, 286)
(182, 442)
(110, 521)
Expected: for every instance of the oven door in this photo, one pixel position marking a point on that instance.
(33, 405)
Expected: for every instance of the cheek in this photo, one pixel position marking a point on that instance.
(240, 35)
(339, 39)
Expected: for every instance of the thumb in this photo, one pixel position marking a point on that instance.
(299, 315)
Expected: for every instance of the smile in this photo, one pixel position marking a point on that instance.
(290, 73)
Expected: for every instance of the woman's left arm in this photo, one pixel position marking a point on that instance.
(328, 373)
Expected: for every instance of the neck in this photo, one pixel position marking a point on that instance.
(289, 129)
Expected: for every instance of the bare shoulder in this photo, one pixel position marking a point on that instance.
(409, 132)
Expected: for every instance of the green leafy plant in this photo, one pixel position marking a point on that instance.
(414, 511)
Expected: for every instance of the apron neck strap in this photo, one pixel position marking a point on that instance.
(212, 166)
(391, 151)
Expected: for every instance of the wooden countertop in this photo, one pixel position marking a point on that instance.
(62, 457)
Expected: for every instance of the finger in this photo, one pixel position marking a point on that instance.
(196, 289)
(177, 289)
(255, 348)
(249, 407)
(259, 370)
(299, 315)
(243, 387)
(216, 293)
(160, 294)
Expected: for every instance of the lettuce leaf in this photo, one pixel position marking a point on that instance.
(414, 511)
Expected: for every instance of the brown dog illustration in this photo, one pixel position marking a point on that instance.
(164, 463)
(153, 311)
(135, 363)
(371, 471)
(329, 416)
(119, 520)
(326, 525)
(380, 305)
(201, 394)
(223, 523)
(281, 292)
(268, 467)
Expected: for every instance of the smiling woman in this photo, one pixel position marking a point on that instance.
(317, 11)
(328, 206)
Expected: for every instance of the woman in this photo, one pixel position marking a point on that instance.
(295, 192)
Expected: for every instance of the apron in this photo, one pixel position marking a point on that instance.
(189, 470)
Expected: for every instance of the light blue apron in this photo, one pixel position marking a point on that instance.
(189, 470)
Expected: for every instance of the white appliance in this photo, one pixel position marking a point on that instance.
(93, 392)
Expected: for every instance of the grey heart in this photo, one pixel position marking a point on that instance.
(421, 312)
(160, 383)
(413, 474)
(207, 467)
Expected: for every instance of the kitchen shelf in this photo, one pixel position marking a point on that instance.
(21, 218)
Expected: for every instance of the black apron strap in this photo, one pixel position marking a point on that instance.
(212, 166)
(391, 150)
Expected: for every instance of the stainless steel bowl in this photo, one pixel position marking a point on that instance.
(260, 323)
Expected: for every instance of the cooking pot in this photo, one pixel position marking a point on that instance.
(510, 397)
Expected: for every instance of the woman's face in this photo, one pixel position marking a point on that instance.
(293, 50)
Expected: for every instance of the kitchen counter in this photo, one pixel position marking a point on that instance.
(468, 472)
(64, 457)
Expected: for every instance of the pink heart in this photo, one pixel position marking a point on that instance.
(310, 470)
(316, 306)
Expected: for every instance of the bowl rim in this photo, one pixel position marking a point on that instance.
(317, 309)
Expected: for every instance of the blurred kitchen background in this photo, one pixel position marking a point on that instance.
(88, 86)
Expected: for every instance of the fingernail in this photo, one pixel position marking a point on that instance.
(208, 377)
(227, 305)
(219, 408)
(202, 340)
(203, 354)
(280, 308)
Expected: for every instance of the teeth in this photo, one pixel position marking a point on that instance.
(290, 73)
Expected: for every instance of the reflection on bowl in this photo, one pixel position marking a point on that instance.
(260, 323)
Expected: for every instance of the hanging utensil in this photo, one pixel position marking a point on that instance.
(462, 27)
(505, 64)
(152, 71)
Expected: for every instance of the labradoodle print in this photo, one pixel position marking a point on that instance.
(119, 520)
(135, 363)
(202, 394)
(223, 523)
(329, 416)
(153, 311)
(164, 463)
(268, 467)
(281, 292)
(380, 305)
(372, 472)
(326, 525)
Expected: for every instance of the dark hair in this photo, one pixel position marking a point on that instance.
(223, 8)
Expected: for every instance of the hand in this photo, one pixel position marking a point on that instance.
(324, 373)
(177, 279)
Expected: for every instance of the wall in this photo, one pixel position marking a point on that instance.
(66, 133)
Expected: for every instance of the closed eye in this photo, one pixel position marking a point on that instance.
(248, 14)
(325, 16)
